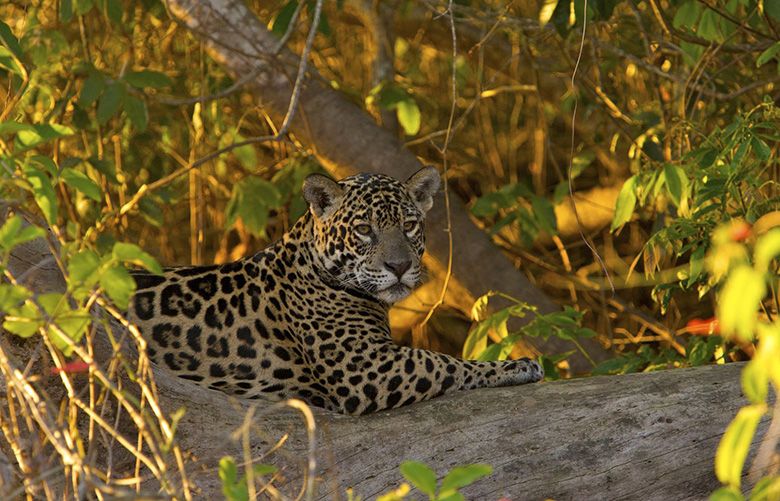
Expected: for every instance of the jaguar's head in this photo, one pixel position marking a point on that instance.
(368, 229)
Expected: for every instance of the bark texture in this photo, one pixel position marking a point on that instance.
(347, 140)
(641, 436)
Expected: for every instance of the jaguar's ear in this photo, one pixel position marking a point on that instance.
(323, 195)
(423, 185)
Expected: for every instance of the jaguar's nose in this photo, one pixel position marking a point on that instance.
(398, 267)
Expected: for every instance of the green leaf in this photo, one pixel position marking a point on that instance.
(624, 206)
(251, 200)
(461, 476)
(768, 54)
(24, 321)
(131, 253)
(110, 102)
(763, 152)
(283, 18)
(43, 192)
(14, 232)
(92, 88)
(409, 116)
(772, 9)
(11, 296)
(118, 284)
(420, 475)
(31, 135)
(676, 183)
(83, 265)
(545, 214)
(708, 27)
(147, 78)
(726, 494)
(755, 381)
(83, 6)
(8, 39)
(734, 446)
(66, 10)
(137, 113)
(686, 15)
(82, 183)
(701, 352)
(113, 10)
(739, 302)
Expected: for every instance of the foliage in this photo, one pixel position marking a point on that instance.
(235, 488)
(745, 283)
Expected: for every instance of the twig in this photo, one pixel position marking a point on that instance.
(571, 153)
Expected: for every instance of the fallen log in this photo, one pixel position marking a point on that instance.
(648, 436)
(639, 436)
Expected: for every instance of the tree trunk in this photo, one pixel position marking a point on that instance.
(347, 140)
(639, 436)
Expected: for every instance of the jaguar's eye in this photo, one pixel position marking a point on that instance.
(363, 229)
(410, 226)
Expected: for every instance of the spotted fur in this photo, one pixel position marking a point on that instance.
(307, 316)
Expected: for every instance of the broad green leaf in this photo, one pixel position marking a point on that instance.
(739, 302)
(11, 296)
(109, 102)
(82, 6)
(763, 152)
(147, 78)
(83, 265)
(14, 232)
(755, 381)
(545, 214)
(228, 472)
(420, 475)
(137, 113)
(82, 183)
(92, 88)
(8, 39)
(131, 253)
(118, 284)
(66, 10)
(461, 476)
(23, 321)
(676, 182)
(709, 26)
(687, 14)
(283, 18)
(772, 9)
(113, 10)
(767, 249)
(43, 192)
(409, 116)
(29, 135)
(624, 206)
(251, 200)
(768, 54)
(734, 446)
(47, 163)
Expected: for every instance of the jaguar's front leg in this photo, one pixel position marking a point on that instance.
(392, 376)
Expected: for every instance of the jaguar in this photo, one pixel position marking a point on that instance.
(307, 317)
